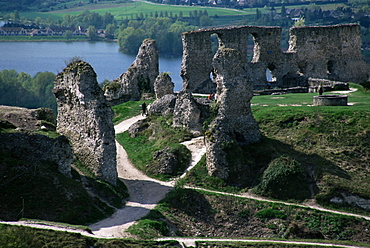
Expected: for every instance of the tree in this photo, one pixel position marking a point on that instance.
(91, 32)
(15, 15)
(68, 34)
(26, 91)
(109, 31)
(258, 14)
(283, 11)
(205, 21)
(130, 39)
(108, 18)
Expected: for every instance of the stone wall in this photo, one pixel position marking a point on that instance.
(331, 52)
(85, 118)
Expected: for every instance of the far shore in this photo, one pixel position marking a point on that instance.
(48, 39)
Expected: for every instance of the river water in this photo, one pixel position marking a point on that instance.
(104, 57)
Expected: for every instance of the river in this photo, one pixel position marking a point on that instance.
(104, 57)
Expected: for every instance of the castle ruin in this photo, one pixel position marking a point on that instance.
(85, 118)
(326, 52)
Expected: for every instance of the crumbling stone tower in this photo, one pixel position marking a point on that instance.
(138, 78)
(85, 118)
(234, 121)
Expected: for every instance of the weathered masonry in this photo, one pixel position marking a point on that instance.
(327, 52)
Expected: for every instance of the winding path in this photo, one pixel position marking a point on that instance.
(145, 192)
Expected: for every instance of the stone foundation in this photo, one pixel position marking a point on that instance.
(330, 100)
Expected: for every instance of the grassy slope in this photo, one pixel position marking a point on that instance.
(40, 191)
(25, 237)
(186, 212)
(194, 213)
(333, 142)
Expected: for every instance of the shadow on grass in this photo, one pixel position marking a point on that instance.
(249, 162)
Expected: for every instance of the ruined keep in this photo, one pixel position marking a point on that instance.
(85, 118)
(234, 122)
(139, 77)
(327, 52)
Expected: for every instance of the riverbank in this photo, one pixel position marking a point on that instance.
(19, 38)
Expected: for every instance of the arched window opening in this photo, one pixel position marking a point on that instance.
(250, 48)
(214, 43)
(270, 73)
(302, 67)
(330, 67)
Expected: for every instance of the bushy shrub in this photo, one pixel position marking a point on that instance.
(269, 213)
(284, 178)
(366, 85)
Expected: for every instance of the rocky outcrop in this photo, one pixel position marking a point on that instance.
(352, 200)
(38, 150)
(163, 85)
(166, 162)
(138, 79)
(85, 118)
(163, 106)
(188, 113)
(29, 119)
(138, 127)
(234, 122)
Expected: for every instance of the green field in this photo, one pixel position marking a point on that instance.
(126, 10)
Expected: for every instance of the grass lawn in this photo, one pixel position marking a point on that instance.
(126, 10)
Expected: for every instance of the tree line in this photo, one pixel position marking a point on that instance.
(23, 90)
(164, 30)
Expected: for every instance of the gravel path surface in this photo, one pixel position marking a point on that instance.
(144, 191)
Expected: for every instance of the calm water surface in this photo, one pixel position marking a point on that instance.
(104, 57)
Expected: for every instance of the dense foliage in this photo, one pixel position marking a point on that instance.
(164, 30)
(87, 18)
(284, 178)
(23, 90)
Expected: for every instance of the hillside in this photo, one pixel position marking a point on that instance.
(313, 155)
(332, 142)
(31, 185)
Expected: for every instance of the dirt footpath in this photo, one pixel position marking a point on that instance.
(144, 191)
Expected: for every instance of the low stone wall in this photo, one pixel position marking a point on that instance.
(330, 100)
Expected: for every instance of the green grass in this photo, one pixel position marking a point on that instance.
(26, 237)
(127, 110)
(126, 10)
(331, 141)
(158, 136)
(31, 194)
(189, 212)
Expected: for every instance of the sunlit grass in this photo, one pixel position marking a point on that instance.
(126, 10)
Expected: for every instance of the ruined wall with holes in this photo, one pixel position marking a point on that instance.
(330, 52)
